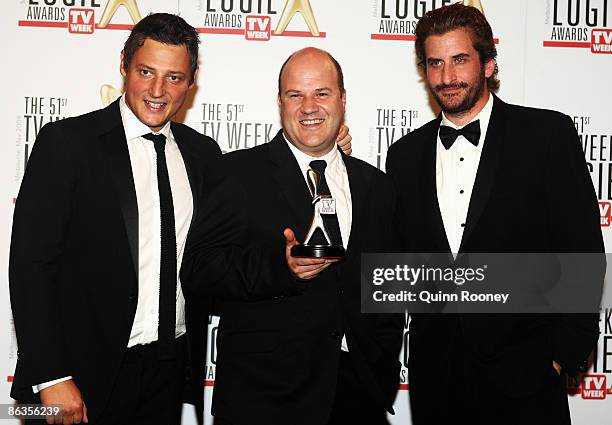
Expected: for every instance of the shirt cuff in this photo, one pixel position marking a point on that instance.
(40, 387)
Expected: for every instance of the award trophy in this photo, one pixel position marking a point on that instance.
(323, 205)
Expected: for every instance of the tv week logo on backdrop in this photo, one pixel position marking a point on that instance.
(579, 24)
(604, 214)
(79, 16)
(260, 20)
(594, 387)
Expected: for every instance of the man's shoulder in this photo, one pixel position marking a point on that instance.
(72, 132)
(364, 167)
(199, 141)
(531, 113)
(415, 138)
(247, 157)
(377, 179)
(410, 147)
(89, 121)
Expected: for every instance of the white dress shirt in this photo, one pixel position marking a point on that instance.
(338, 182)
(144, 171)
(455, 176)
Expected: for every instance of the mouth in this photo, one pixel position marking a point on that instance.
(155, 106)
(450, 89)
(313, 122)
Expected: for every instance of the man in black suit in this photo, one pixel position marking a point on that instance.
(293, 347)
(99, 231)
(489, 177)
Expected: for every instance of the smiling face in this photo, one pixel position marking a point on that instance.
(455, 75)
(310, 102)
(157, 82)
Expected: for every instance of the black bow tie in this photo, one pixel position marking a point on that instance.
(471, 132)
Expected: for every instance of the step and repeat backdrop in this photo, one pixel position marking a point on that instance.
(62, 59)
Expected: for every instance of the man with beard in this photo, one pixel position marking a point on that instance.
(489, 177)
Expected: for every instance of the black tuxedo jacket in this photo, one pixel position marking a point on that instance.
(532, 193)
(74, 256)
(279, 338)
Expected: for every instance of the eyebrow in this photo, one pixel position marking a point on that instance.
(150, 68)
(457, 56)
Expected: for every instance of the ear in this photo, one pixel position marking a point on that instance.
(121, 67)
(490, 68)
(195, 78)
(278, 100)
(344, 101)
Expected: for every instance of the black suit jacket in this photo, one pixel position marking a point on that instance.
(279, 338)
(74, 256)
(532, 193)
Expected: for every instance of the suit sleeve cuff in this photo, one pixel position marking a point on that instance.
(38, 388)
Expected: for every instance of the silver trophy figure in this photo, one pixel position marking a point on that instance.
(322, 204)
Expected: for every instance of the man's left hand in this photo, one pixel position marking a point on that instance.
(303, 268)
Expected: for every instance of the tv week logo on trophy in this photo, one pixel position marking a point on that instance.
(594, 387)
(604, 214)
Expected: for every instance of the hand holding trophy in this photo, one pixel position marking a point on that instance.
(318, 243)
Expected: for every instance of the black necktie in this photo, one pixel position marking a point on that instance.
(471, 132)
(167, 271)
(330, 221)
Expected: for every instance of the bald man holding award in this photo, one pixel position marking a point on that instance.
(298, 350)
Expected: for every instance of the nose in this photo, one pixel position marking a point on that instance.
(156, 89)
(448, 73)
(309, 105)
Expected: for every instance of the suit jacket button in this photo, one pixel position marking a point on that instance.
(132, 297)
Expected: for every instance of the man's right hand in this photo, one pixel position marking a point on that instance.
(303, 268)
(68, 397)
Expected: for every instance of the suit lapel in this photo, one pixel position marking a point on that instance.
(292, 185)
(359, 185)
(487, 169)
(188, 160)
(120, 168)
(430, 190)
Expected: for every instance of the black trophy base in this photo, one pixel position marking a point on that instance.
(318, 251)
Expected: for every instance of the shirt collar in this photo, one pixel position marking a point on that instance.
(484, 116)
(303, 159)
(133, 127)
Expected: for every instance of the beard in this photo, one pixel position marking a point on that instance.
(470, 96)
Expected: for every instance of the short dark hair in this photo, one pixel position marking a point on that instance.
(163, 28)
(456, 16)
(339, 72)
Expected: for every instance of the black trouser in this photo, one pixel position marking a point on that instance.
(352, 403)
